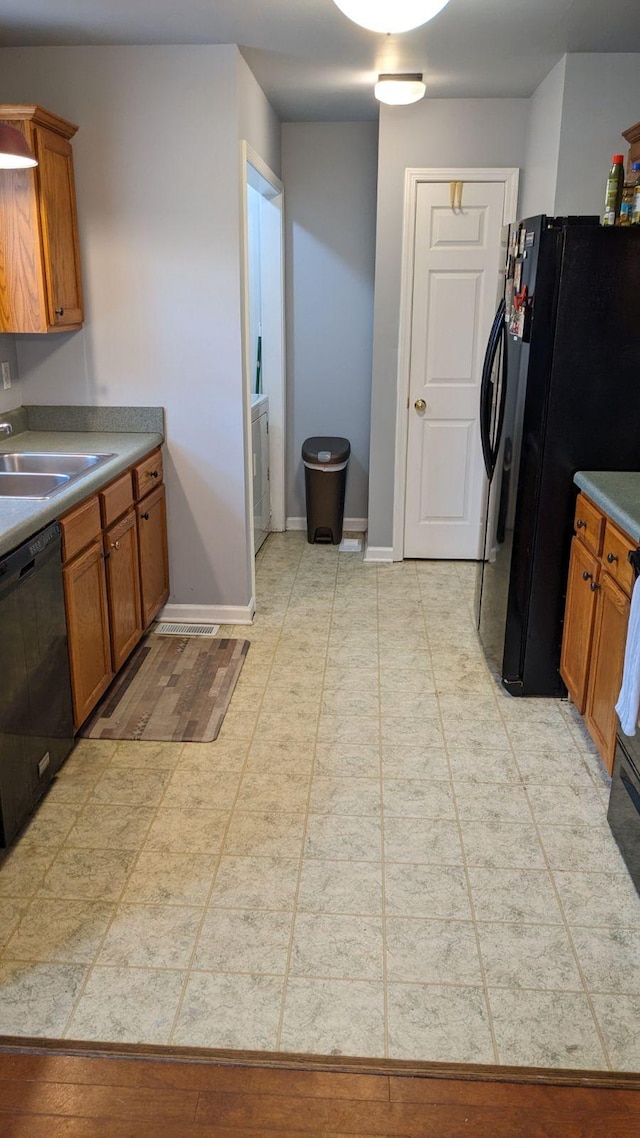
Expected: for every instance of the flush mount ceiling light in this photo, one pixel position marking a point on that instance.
(14, 150)
(390, 15)
(398, 90)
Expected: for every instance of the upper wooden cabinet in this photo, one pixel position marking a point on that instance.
(40, 284)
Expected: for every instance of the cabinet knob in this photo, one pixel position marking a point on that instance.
(587, 576)
(145, 516)
(115, 544)
(593, 586)
(59, 311)
(152, 474)
(580, 524)
(611, 557)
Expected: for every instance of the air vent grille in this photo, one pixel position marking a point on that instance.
(167, 628)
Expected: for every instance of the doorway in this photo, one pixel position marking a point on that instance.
(451, 276)
(264, 357)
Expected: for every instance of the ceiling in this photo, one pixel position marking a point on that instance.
(315, 64)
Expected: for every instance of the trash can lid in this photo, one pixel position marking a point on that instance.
(326, 450)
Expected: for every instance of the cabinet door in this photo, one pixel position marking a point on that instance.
(85, 594)
(22, 297)
(578, 622)
(59, 229)
(123, 588)
(154, 560)
(609, 638)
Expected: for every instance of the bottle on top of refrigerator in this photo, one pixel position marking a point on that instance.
(635, 212)
(615, 183)
(626, 205)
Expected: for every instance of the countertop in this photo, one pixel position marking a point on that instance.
(617, 493)
(22, 517)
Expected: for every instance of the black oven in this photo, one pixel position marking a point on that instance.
(624, 803)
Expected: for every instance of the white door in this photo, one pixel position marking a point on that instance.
(457, 259)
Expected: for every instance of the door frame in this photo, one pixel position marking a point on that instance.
(277, 396)
(413, 176)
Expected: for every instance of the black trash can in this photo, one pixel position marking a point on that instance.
(325, 477)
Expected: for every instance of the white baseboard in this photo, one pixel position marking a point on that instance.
(351, 525)
(378, 553)
(209, 614)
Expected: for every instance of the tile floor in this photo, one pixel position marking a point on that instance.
(382, 854)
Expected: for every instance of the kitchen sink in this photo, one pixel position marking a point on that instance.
(41, 475)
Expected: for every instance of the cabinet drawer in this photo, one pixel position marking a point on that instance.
(615, 556)
(116, 499)
(147, 474)
(80, 527)
(589, 524)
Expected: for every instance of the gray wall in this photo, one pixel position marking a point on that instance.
(158, 184)
(329, 173)
(601, 99)
(432, 133)
(540, 175)
(13, 397)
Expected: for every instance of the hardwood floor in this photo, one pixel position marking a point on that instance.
(48, 1091)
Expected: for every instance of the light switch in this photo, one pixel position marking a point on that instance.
(6, 375)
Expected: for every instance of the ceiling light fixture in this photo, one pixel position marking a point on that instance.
(390, 15)
(15, 153)
(398, 90)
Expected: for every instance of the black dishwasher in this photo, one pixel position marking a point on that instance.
(36, 716)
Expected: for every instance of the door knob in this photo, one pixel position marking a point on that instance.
(420, 405)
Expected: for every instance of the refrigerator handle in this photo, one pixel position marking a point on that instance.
(486, 393)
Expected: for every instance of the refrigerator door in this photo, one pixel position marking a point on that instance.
(493, 391)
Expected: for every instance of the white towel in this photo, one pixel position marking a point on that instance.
(628, 705)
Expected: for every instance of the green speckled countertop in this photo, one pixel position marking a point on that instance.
(617, 493)
(22, 517)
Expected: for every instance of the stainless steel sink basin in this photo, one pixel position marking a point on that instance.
(31, 485)
(41, 475)
(38, 462)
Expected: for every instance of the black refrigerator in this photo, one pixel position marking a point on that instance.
(560, 392)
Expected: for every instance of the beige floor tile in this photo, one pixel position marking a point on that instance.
(434, 841)
(483, 766)
(432, 952)
(170, 879)
(598, 899)
(23, 870)
(434, 891)
(545, 1029)
(49, 825)
(265, 834)
(540, 736)
(416, 680)
(198, 789)
(340, 887)
(265, 790)
(492, 803)
(355, 760)
(11, 911)
(330, 945)
(127, 1005)
(83, 875)
(151, 936)
(221, 755)
(481, 735)
(183, 830)
(567, 805)
(528, 956)
(417, 798)
(340, 837)
(619, 1022)
(90, 752)
(223, 1010)
(411, 761)
(271, 756)
(357, 678)
(287, 730)
(242, 940)
(339, 701)
(333, 1017)
(583, 848)
(110, 827)
(346, 729)
(514, 895)
(609, 958)
(69, 932)
(501, 845)
(255, 883)
(414, 732)
(120, 786)
(147, 756)
(436, 1024)
(37, 998)
(357, 796)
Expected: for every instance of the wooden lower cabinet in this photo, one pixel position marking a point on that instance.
(123, 588)
(584, 570)
(154, 558)
(85, 590)
(595, 621)
(609, 639)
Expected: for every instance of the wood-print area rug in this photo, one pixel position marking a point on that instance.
(173, 689)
